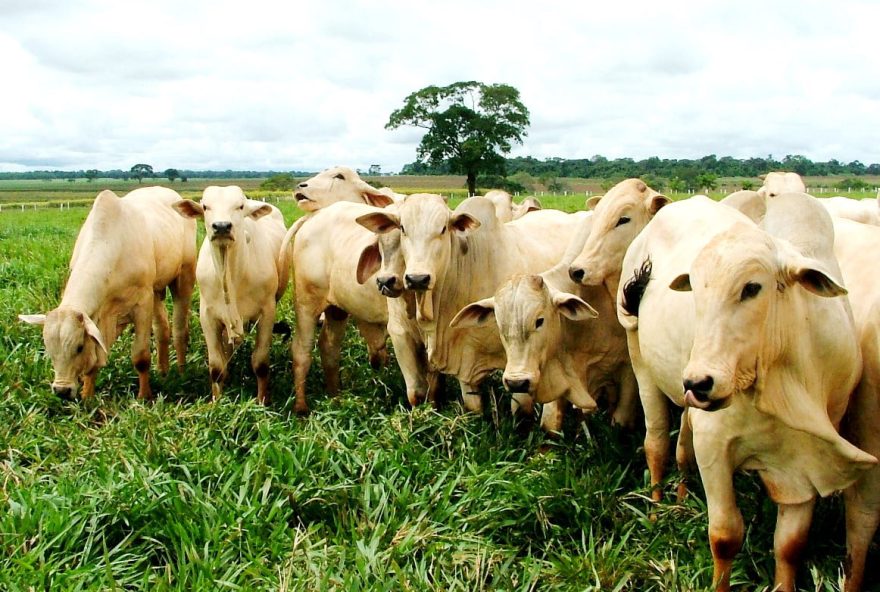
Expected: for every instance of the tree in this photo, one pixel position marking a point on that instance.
(139, 171)
(92, 174)
(279, 182)
(470, 126)
(171, 174)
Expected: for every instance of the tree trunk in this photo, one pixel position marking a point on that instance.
(472, 183)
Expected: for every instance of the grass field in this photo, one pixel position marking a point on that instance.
(363, 494)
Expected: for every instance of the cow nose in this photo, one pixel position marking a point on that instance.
(576, 274)
(386, 283)
(65, 392)
(222, 227)
(517, 385)
(700, 388)
(418, 281)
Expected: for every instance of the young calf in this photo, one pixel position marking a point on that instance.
(242, 274)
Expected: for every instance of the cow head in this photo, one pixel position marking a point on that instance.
(428, 231)
(339, 184)
(73, 343)
(777, 183)
(224, 210)
(618, 218)
(739, 280)
(529, 316)
(384, 259)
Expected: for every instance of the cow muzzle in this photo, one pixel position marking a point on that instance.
(221, 231)
(418, 281)
(389, 285)
(66, 392)
(519, 383)
(698, 394)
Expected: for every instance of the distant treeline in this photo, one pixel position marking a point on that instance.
(599, 167)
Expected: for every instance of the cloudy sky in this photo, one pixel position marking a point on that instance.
(303, 85)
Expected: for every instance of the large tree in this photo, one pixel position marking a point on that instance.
(470, 126)
(139, 171)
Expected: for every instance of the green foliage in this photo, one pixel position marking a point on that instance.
(748, 185)
(139, 171)
(678, 185)
(852, 184)
(470, 125)
(171, 174)
(279, 182)
(706, 181)
(92, 174)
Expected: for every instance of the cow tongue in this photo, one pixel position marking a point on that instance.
(691, 401)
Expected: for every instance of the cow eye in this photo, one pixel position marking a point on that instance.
(539, 322)
(79, 349)
(750, 290)
(402, 229)
(623, 220)
(339, 176)
(241, 207)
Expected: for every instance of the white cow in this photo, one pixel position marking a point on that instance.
(452, 258)
(866, 211)
(742, 325)
(855, 246)
(241, 277)
(127, 253)
(339, 183)
(327, 250)
(779, 182)
(506, 209)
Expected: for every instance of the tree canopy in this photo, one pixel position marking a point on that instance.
(139, 171)
(470, 126)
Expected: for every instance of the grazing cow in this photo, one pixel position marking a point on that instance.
(855, 246)
(326, 254)
(241, 277)
(452, 258)
(339, 184)
(778, 182)
(505, 208)
(743, 326)
(128, 252)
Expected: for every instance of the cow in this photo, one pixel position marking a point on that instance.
(866, 211)
(506, 209)
(453, 257)
(553, 350)
(339, 183)
(745, 326)
(854, 246)
(779, 182)
(128, 251)
(241, 278)
(327, 250)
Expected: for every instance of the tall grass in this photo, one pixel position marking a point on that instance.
(363, 494)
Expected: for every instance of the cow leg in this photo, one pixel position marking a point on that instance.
(726, 526)
(181, 295)
(374, 336)
(140, 347)
(218, 347)
(301, 351)
(410, 358)
(862, 501)
(470, 396)
(656, 435)
(626, 409)
(552, 414)
(260, 357)
(88, 386)
(684, 455)
(330, 346)
(161, 331)
(789, 540)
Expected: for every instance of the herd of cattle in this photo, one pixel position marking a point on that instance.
(759, 315)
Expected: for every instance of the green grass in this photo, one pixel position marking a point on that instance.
(363, 494)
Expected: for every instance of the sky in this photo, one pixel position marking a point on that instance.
(305, 85)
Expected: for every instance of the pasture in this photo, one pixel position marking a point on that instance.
(363, 494)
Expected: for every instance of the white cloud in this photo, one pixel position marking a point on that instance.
(306, 85)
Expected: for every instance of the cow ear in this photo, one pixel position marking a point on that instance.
(369, 262)
(93, 332)
(379, 222)
(657, 201)
(376, 198)
(188, 208)
(474, 314)
(463, 223)
(762, 177)
(33, 319)
(810, 274)
(572, 307)
(592, 202)
(258, 209)
(682, 283)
